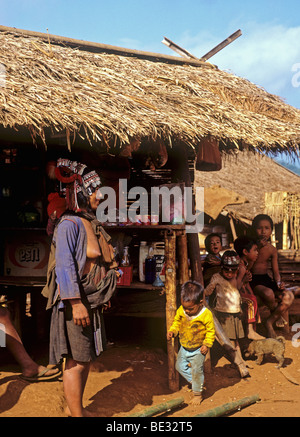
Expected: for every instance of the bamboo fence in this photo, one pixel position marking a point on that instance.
(284, 207)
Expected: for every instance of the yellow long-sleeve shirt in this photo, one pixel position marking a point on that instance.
(194, 331)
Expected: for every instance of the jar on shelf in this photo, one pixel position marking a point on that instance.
(125, 261)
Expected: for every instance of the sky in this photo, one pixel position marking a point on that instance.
(267, 53)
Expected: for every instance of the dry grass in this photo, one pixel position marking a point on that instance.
(113, 97)
(250, 175)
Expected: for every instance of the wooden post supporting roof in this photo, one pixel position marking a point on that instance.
(171, 306)
(183, 268)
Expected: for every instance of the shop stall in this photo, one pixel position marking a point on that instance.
(149, 119)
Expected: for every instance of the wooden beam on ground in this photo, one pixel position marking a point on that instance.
(221, 46)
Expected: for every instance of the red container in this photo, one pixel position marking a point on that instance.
(126, 278)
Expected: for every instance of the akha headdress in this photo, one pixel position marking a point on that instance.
(75, 178)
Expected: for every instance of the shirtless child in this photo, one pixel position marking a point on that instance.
(247, 250)
(271, 291)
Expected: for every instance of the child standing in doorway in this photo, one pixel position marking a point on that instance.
(270, 290)
(194, 324)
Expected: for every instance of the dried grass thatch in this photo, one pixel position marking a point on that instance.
(250, 175)
(109, 97)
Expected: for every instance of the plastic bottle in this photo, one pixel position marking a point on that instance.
(144, 249)
(150, 267)
(159, 253)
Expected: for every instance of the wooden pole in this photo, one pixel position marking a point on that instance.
(171, 306)
(233, 231)
(183, 267)
(159, 409)
(273, 237)
(285, 225)
(192, 237)
(221, 46)
(178, 158)
(182, 52)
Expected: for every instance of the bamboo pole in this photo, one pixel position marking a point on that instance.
(285, 226)
(171, 306)
(233, 231)
(273, 237)
(230, 407)
(159, 409)
(181, 51)
(221, 46)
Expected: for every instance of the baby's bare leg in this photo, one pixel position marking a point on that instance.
(283, 306)
(268, 297)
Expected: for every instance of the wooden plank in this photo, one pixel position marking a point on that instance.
(104, 48)
(139, 286)
(139, 315)
(22, 281)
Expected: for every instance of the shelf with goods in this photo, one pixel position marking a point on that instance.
(140, 299)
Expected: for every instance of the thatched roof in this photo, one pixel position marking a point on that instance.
(109, 97)
(250, 175)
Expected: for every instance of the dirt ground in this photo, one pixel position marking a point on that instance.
(129, 377)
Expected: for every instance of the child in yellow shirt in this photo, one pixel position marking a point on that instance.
(194, 324)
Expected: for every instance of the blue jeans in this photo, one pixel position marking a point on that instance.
(190, 366)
